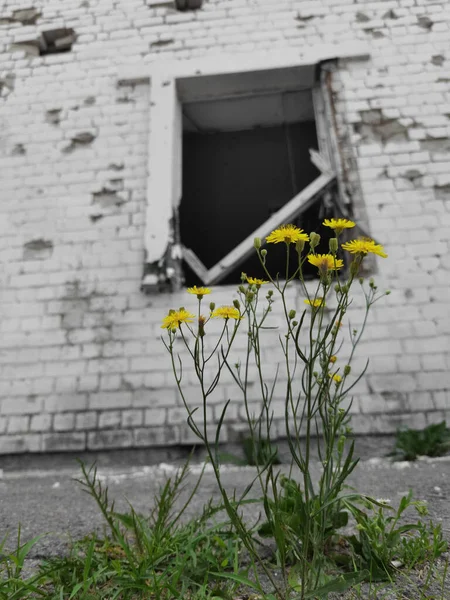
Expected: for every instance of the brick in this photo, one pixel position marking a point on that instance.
(18, 424)
(155, 416)
(40, 423)
(109, 400)
(64, 421)
(115, 438)
(17, 444)
(154, 397)
(18, 406)
(427, 345)
(441, 400)
(65, 403)
(433, 380)
(63, 442)
(420, 401)
(88, 383)
(109, 419)
(132, 418)
(86, 420)
(157, 436)
(392, 382)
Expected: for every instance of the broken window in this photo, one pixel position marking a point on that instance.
(177, 4)
(246, 159)
(57, 40)
(250, 124)
(53, 41)
(188, 4)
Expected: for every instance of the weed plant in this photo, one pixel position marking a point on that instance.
(433, 440)
(301, 516)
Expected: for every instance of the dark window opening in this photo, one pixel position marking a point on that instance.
(233, 181)
(55, 41)
(188, 4)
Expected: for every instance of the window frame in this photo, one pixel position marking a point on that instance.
(171, 84)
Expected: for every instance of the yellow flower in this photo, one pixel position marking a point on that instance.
(288, 234)
(226, 312)
(175, 317)
(337, 378)
(325, 262)
(333, 359)
(199, 291)
(256, 281)
(338, 224)
(364, 246)
(315, 303)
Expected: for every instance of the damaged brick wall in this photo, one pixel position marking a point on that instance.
(82, 363)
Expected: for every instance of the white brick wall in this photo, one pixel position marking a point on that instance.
(81, 361)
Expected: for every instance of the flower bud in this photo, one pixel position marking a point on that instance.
(201, 326)
(299, 246)
(347, 369)
(257, 243)
(333, 359)
(354, 267)
(212, 306)
(361, 280)
(243, 277)
(236, 304)
(264, 253)
(314, 239)
(242, 289)
(337, 288)
(250, 296)
(294, 323)
(292, 314)
(341, 444)
(387, 292)
(333, 244)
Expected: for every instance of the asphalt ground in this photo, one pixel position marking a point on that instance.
(41, 494)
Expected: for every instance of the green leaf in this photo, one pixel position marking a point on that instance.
(241, 579)
(340, 519)
(340, 584)
(265, 530)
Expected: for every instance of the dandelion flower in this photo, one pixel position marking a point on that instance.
(256, 281)
(338, 224)
(325, 262)
(315, 303)
(364, 246)
(337, 378)
(199, 291)
(176, 317)
(226, 312)
(288, 234)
